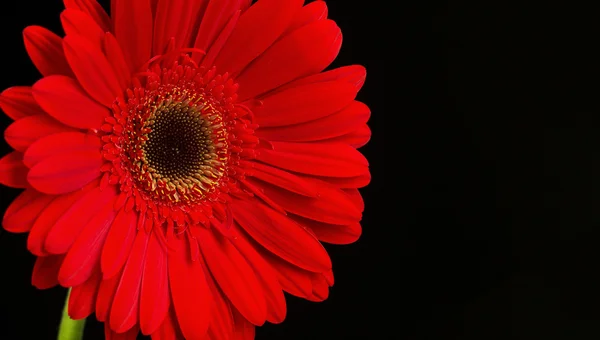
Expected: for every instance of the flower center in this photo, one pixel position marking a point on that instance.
(177, 141)
(183, 148)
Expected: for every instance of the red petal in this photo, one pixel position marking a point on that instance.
(314, 11)
(243, 329)
(155, 299)
(304, 103)
(321, 159)
(281, 236)
(227, 266)
(332, 233)
(65, 100)
(48, 217)
(113, 9)
(189, 291)
(283, 179)
(169, 329)
(169, 12)
(24, 210)
(106, 295)
(84, 255)
(356, 198)
(218, 44)
(320, 288)
(133, 29)
(256, 30)
(245, 4)
(82, 300)
(353, 74)
(293, 280)
(259, 193)
(13, 173)
(76, 22)
(17, 102)
(94, 10)
(329, 277)
(66, 230)
(117, 60)
(92, 69)
(153, 4)
(357, 138)
(131, 334)
(125, 309)
(345, 182)
(276, 306)
(22, 133)
(119, 242)
(307, 50)
(198, 17)
(65, 172)
(45, 271)
(342, 122)
(332, 206)
(221, 323)
(216, 16)
(46, 51)
(65, 142)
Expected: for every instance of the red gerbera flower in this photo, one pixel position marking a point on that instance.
(182, 159)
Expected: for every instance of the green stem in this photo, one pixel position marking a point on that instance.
(70, 329)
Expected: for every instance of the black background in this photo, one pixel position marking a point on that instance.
(485, 226)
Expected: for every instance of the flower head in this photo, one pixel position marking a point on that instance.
(182, 161)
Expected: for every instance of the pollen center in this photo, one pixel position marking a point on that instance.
(182, 150)
(177, 138)
(179, 143)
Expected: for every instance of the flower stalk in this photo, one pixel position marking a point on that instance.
(70, 329)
